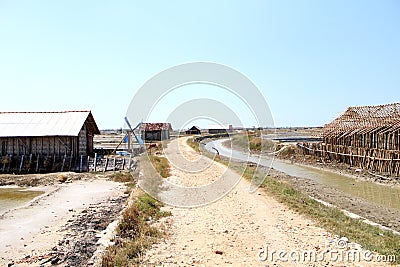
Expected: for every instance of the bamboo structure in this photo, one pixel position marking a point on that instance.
(367, 137)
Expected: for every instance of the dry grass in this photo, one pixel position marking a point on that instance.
(135, 232)
(161, 164)
(62, 178)
(254, 142)
(123, 177)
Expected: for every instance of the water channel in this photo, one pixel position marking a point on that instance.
(385, 196)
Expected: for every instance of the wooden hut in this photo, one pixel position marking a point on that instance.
(219, 128)
(155, 131)
(194, 130)
(367, 137)
(47, 133)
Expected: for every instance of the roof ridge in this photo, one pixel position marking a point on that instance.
(376, 106)
(29, 112)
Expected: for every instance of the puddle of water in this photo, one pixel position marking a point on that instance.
(14, 197)
(383, 195)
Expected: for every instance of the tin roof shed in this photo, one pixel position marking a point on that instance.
(64, 123)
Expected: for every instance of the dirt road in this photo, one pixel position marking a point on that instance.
(240, 229)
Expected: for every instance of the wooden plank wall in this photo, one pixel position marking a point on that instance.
(376, 139)
(54, 145)
(83, 141)
(383, 161)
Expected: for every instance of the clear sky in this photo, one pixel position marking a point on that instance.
(310, 59)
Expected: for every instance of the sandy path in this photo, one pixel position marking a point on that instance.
(37, 227)
(232, 230)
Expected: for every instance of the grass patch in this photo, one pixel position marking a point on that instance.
(254, 142)
(329, 218)
(161, 164)
(122, 177)
(193, 144)
(135, 233)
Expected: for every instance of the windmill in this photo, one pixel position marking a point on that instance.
(127, 137)
(137, 137)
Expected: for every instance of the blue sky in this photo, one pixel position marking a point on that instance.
(310, 59)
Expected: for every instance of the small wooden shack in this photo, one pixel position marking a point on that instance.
(194, 130)
(219, 128)
(155, 131)
(47, 133)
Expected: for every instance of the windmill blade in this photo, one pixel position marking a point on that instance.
(137, 126)
(127, 122)
(137, 137)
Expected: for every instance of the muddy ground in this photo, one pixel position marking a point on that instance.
(375, 213)
(44, 179)
(65, 227)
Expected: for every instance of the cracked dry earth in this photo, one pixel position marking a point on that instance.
(233, 230)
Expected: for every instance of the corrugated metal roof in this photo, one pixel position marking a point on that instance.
(65, 123)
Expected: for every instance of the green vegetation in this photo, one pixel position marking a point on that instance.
(161, 164)
(123, 177)
(135, 232)
(254, 142)
(193, 144)
(329, 218)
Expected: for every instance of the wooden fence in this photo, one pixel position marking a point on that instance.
(377, 160)
(44, 164)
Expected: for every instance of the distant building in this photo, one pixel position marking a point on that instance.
(219, 128)
(155, 131)
(47, 133)
(194, 130)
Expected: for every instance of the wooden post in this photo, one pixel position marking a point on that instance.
(22, 163)
(115, 161)
(95, 162)
(54, 161)
(9, 162)
(30, 162)
(80, 164)
(123, 163)
(70, 162)
(63, 163)
(87, 164)
(37, 163)
(391, 164)
(351, 156)
(130, 162)
(105, 166)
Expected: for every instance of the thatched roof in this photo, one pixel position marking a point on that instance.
(364, 119)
